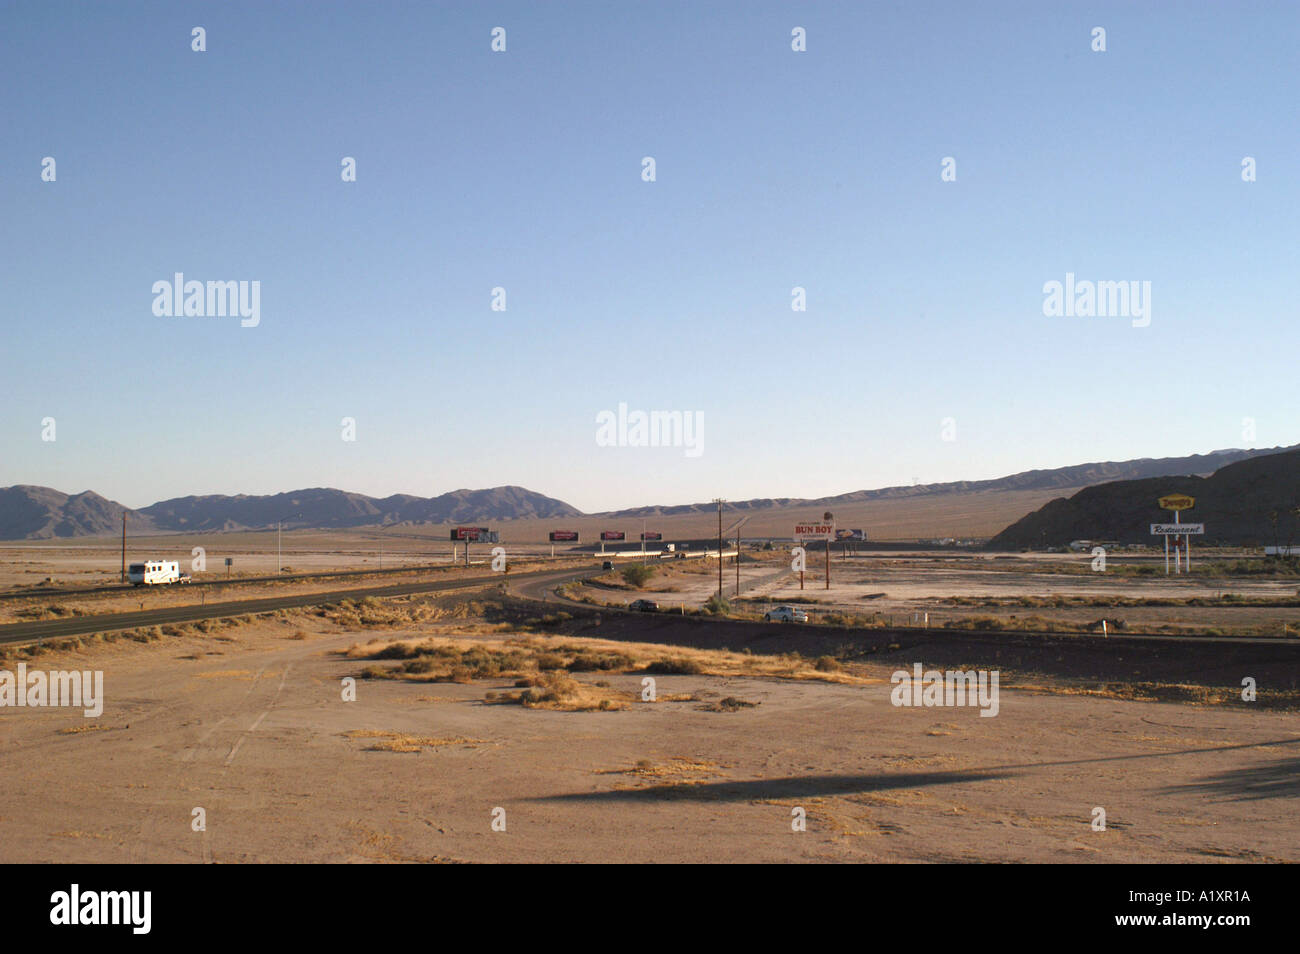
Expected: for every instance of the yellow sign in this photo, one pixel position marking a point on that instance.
(1177, 502)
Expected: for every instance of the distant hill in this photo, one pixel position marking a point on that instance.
(36, 513)
(961, 508)
(1078, 475)
(1234, 503)
(33, 513)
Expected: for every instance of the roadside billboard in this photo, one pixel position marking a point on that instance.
(651, 535)
(850, 534)
(564, 536)
(613, 535)
(814, 531)
(474, 534)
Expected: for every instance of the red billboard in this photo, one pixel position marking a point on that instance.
(613, 535)
(564, 536)
(652, 535)
(470, 533)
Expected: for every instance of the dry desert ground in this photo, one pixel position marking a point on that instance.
(249, 724)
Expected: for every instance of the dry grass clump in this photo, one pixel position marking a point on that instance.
(372, 612)
(584, 661)
(680, 769)
(544, 671)
(855, 620)
(556, 690)
(1288, 699)
(729, 704)
(676, 666)
(1021, 623)
(403, 742)
(50, 611)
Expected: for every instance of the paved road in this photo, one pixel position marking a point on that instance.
(42, 592)
(107, 622)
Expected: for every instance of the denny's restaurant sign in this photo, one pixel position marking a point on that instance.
(1177, 502)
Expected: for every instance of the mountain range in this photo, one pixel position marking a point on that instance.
(36, 513)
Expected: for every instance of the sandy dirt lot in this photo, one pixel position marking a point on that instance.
(249, 724)
(903, 591)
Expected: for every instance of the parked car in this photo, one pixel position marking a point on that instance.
(184, 578)
(643, 606)
(785, 614)
(607, 565)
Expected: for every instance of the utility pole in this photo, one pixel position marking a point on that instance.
(277, 548)
(736, 526)
(830, 520)
(123, 544)
(719, 501)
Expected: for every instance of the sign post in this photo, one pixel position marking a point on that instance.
(470, 534)
(1178, 503)
(1176, 530)
(612, 536)
(824, 531)
(563, 536)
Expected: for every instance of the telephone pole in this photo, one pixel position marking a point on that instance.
(124, 545)
(719, 501)
(830, 521)
(736, 527)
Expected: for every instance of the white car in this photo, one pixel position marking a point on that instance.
(785, 614)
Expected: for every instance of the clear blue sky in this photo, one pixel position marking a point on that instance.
(522, 169)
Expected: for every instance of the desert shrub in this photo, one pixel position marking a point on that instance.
(676, 666)
(549, 687)
(828, 664)
(593, 662)
(636, 574)
(717, 606)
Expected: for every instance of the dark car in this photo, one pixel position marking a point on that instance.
(608, 565)
(643, 606)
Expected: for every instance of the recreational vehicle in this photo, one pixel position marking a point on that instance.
(154, 571)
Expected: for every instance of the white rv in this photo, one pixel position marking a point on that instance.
(154, 571)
